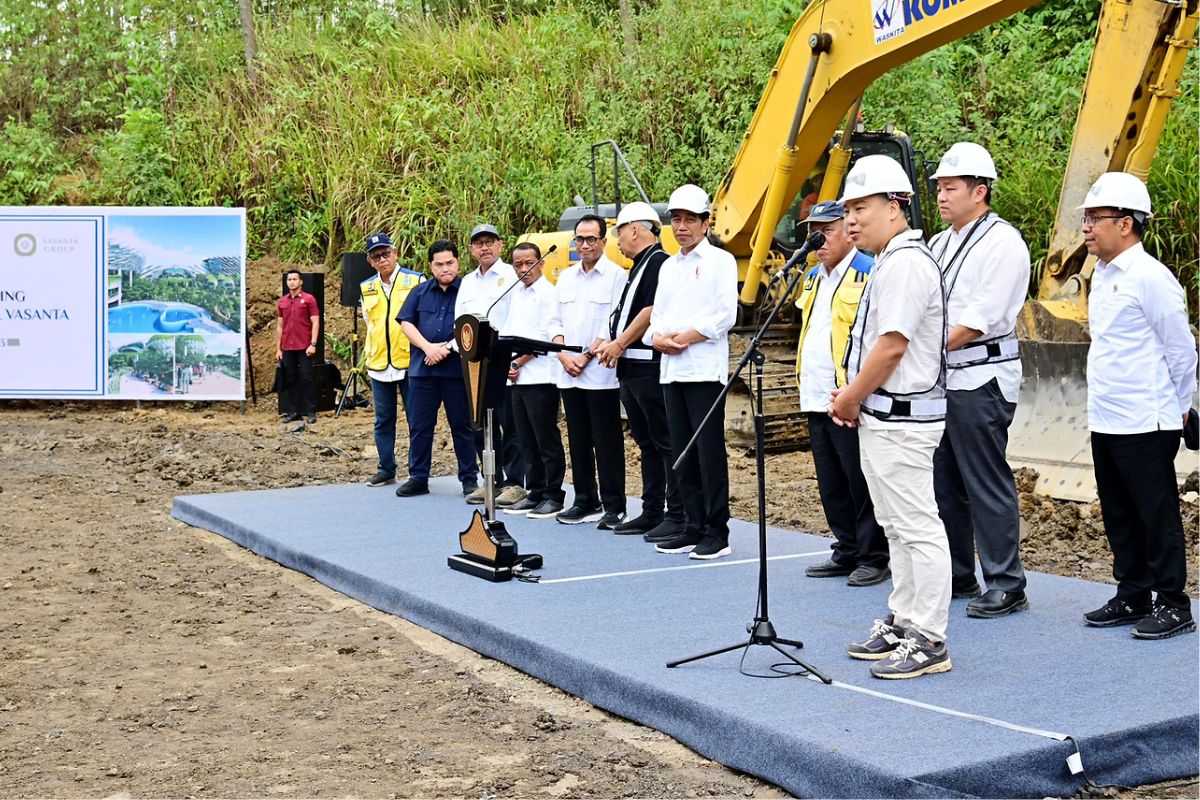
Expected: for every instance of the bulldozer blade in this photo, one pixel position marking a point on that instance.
(1050, 429)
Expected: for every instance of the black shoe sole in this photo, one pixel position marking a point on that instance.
(835, 574)
(999, 612)
(1182, 629)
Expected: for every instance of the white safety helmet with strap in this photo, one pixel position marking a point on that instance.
(689, 197)
(638, 212)
(1119, 190)
(876, 174)
(966, 160)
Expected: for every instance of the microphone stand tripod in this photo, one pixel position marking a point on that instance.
(761, 631)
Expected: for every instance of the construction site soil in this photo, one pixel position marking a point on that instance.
(144, 658)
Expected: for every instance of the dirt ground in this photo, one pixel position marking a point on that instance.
(144, 658)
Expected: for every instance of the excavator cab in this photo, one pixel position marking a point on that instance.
(790, 234)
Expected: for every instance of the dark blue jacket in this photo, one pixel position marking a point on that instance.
(431, 309)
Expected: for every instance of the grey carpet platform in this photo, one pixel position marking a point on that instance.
(1026, 691)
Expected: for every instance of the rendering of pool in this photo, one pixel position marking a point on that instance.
(154, 317)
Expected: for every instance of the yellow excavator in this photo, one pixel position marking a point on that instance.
(836, 49)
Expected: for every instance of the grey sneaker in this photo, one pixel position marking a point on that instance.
(510, 495)
(914, 657)
(475, 498)
(884, 638)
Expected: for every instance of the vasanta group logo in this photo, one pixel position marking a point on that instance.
(25, 244)
(889, 20)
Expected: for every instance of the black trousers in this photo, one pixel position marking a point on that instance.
(646, 410)
(975, 491)
(1139, 502)
(597, 446)
(510, 463)
(704, 474)
(298, 379)
(860, 540)
(535, 415)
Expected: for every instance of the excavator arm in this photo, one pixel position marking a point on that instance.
(836, 49)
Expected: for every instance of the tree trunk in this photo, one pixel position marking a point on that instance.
(626, 15)
(249, 43)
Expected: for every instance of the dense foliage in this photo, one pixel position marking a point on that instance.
(424, 117)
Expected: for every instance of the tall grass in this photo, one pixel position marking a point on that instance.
(425, 124)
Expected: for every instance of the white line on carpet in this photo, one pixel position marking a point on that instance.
(545, 581)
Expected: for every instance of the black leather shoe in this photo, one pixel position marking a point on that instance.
(828, 569)
(995, 603)
(639, 524)
(960, 590)
(868, 576)
(411, 488)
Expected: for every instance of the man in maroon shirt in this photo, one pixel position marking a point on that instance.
(296, 344)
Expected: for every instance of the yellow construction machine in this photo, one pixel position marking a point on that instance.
(786, 162)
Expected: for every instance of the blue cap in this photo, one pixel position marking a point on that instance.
(828, 211)
(378, 240)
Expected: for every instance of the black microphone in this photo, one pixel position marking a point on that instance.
(530, 269)
(814, 242)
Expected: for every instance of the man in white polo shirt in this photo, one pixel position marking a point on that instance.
(985, 267)
(1141, 377)
(897, 370)
(694, 308)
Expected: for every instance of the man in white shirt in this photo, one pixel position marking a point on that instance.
(897, 390)
(478, 293)
(828, 304)
(985, 267)
(534, 390)
(1141, 377)
(694, 308)
(587, 294)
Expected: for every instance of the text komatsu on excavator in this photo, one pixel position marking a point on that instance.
(836, 49)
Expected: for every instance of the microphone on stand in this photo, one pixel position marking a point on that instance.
(814, 242)
(530, 269)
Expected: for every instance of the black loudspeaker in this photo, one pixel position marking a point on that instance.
(329, 383)
(355, 270)
(314, 284)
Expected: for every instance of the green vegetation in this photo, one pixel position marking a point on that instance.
(423, 118)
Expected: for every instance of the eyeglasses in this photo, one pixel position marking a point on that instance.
(481, 242)
(379, 255)
(1089, 220)
(581, 241)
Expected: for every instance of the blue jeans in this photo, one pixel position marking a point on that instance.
(383, 397)
(426, 394)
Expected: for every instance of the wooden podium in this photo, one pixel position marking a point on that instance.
(488, 551)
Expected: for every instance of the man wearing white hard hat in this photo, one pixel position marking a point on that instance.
(828, 304)
(694, 308)
(896, 366)
(1141, 375)
(638, 366)
(985, 266)
(477, 294)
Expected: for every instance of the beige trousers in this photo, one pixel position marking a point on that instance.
(898, 465)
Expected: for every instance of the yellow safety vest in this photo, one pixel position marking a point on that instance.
(386, 345)
(845, 308)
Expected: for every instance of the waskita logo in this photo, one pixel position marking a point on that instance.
(888, 20)
(25, 244)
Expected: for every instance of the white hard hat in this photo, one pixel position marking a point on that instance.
(689, 197)
(966, 160)
(1118, 190)
(638, 212)
(876, 174)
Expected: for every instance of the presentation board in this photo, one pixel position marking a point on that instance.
(123, 303)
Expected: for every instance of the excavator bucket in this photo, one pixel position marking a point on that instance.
(1049, 432)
